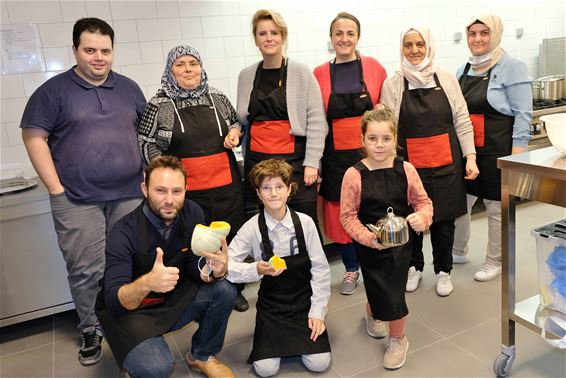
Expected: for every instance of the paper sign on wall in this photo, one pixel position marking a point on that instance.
(21, 49)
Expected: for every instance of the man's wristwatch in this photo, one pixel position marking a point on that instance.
(221, 277)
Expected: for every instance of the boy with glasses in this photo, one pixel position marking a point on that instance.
(292, 301)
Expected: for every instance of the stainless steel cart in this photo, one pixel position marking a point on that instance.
(538, 175)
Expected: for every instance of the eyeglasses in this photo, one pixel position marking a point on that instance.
(385, 140)
(268, 189)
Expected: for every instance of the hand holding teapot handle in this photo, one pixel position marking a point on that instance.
(416, 222)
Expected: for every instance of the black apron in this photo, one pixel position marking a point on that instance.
(213, 178)
(283, 304)
(343, 147)
(385, 272)
(493, 133)
(158, 312)
(270, 137)
(428, 140)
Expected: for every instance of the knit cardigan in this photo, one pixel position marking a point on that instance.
(374, 76)
(304, 106)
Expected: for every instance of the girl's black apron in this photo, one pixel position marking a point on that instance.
(158, 312)
(343, 147)
(428, 140)
(270, 136)
(213, 178)
(493, 132)
(385, 271)
(283, 304)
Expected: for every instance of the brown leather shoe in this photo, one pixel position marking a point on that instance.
(211, 368)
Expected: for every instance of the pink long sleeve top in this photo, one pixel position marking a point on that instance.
(351, 197)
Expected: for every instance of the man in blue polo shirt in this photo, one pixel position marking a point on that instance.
(80, 132)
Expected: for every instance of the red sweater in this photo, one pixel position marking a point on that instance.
(374, 76)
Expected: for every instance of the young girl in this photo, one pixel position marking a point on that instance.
(291, 302)
(379, 181)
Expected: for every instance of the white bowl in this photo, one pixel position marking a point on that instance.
(555, 125)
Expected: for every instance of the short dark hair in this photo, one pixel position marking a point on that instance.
(164, 161)
(273, 168)
(91, 25)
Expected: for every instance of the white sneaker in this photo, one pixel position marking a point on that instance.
(444, 285)
(413, 279)
(375, 327)
(487, 272)
(460, 259)
(396, 353)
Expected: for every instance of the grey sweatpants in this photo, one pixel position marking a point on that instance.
(81, 231)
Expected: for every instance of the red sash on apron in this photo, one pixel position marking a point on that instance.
(478, 122)
(272, 137)
(430, 152)
(347, 134)
(207, 172)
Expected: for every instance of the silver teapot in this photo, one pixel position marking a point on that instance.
(391, 231)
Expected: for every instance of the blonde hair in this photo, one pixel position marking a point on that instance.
(272, 168)
(381, 114)
(268, 14)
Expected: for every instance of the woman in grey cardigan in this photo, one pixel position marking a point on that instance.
(280, 106)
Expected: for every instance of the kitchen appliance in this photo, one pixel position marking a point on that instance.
(548, 88)
(391, 231)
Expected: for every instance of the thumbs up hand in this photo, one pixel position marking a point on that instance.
(162, 279)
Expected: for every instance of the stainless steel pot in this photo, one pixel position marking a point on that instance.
(391, 231)
(551, 88)
(537, 90)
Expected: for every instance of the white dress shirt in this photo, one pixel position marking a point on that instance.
(282, 236)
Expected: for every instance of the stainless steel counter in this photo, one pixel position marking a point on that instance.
(538, 175)
(33, 278)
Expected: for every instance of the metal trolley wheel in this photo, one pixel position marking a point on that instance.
(502, 365)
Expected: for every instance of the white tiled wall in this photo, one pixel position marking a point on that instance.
(220, 30)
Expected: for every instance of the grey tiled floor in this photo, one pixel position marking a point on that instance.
(457, 336)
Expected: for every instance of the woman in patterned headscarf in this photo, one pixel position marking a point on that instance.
(435, 132)
(190, 120)
(497, 89)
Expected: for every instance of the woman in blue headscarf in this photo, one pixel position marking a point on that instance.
(192, 121)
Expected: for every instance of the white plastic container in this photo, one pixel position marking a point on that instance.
(555, 126)
(551, 257)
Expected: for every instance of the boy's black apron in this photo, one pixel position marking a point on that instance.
(384, 271)
(159, 311)
(283, 304)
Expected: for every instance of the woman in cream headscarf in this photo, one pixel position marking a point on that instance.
(497, 89)
(434, 133)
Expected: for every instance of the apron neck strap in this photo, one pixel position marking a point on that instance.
(266, 243)
(360, 73)
(282, 73)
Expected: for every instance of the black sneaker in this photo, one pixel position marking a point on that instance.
(91, 349)
(241, 304)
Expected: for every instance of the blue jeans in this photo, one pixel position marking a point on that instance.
(211, 307)
(349, 258)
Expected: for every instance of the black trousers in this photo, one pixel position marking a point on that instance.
(442, 239)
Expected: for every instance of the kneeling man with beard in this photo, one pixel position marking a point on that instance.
(153, 283)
